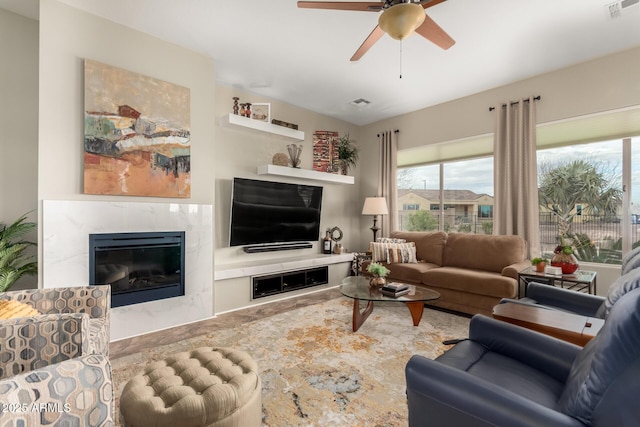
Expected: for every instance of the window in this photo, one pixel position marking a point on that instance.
(462, 201)
(580, 188)
(485, 211)
(411, 207)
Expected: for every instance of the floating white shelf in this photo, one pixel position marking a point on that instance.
(257, 125)
(304, 174)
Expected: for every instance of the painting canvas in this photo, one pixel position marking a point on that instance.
(136, 134)
(325, 151)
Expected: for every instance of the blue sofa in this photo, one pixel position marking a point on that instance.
(505, 375)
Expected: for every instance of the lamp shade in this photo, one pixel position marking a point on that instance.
(400, 20)
(375, 206)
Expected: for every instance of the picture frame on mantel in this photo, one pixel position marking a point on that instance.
(261, 111)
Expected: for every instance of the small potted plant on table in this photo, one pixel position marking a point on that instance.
(378, 271)
(539, 263)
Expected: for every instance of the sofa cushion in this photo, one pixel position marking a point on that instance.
(505, 372)
(483, 252)
(409, 272)
(429, 245)
(471, 281)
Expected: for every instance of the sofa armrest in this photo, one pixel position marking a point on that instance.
(440, 395)
(30, 343)
(547, 354)
(513, 269)
(565, 299)
(85, 399)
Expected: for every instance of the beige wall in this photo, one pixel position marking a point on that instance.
(19, 122)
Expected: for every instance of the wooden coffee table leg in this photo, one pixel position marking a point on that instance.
(416, 309)
(360, 317)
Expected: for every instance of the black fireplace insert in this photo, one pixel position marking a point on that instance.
(140, 267)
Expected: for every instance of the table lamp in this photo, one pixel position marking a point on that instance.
(375, 206)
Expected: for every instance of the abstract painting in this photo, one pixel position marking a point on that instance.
(325, 151)
(136, 134)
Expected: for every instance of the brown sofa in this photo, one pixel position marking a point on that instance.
(472, 272)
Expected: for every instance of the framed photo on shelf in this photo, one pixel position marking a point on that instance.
(261, 111)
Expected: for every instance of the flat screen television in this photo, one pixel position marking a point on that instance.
(267, 212)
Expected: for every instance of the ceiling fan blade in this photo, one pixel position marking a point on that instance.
(427, 4)
(347, 5)
(368, 42)
(435, 34)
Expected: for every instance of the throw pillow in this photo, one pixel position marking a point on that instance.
(380, 251)
(390, 240)
(13, 309)
(402, 255)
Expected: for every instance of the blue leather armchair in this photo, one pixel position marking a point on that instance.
(505, 375)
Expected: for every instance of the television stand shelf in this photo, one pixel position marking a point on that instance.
(272, 284)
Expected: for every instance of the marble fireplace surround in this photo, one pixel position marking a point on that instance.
(66, 229)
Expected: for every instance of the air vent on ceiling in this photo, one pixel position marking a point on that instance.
(360, 102)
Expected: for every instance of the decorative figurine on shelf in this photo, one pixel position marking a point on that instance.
(247, 110)
(235, 105)
(242, 109)
(336, 236)
(294, 154)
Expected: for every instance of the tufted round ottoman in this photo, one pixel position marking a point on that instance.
(205, 387)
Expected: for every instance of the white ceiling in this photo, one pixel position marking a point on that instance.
(301, 56)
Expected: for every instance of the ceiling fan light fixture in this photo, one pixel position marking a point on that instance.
(401, 20)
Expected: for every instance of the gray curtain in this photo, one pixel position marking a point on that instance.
(387, 180)
(516, 208)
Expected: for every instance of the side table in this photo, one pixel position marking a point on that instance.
(580, 281)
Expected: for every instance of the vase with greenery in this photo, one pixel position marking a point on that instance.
(564, 258)
(347, 154)
(378, 271)
(14, 262)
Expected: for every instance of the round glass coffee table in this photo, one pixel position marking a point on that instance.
(357, 287)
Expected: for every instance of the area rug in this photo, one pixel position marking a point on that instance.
(315, 371)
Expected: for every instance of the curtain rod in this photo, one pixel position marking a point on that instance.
(535, 98)
(395, 131)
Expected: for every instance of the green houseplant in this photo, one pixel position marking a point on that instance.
(14, 262)
(378, 271)
(347, 153)
(539, 263)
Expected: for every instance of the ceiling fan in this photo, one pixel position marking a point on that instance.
(399, 19)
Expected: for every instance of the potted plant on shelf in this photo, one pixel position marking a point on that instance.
(378, 271)
(539, 263)
(14, 263)
(347, 154)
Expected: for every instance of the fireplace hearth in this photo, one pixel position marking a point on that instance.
(140, 267)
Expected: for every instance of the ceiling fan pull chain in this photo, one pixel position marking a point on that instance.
(400, 58)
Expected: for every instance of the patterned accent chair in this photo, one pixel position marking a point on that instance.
(54, 367)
